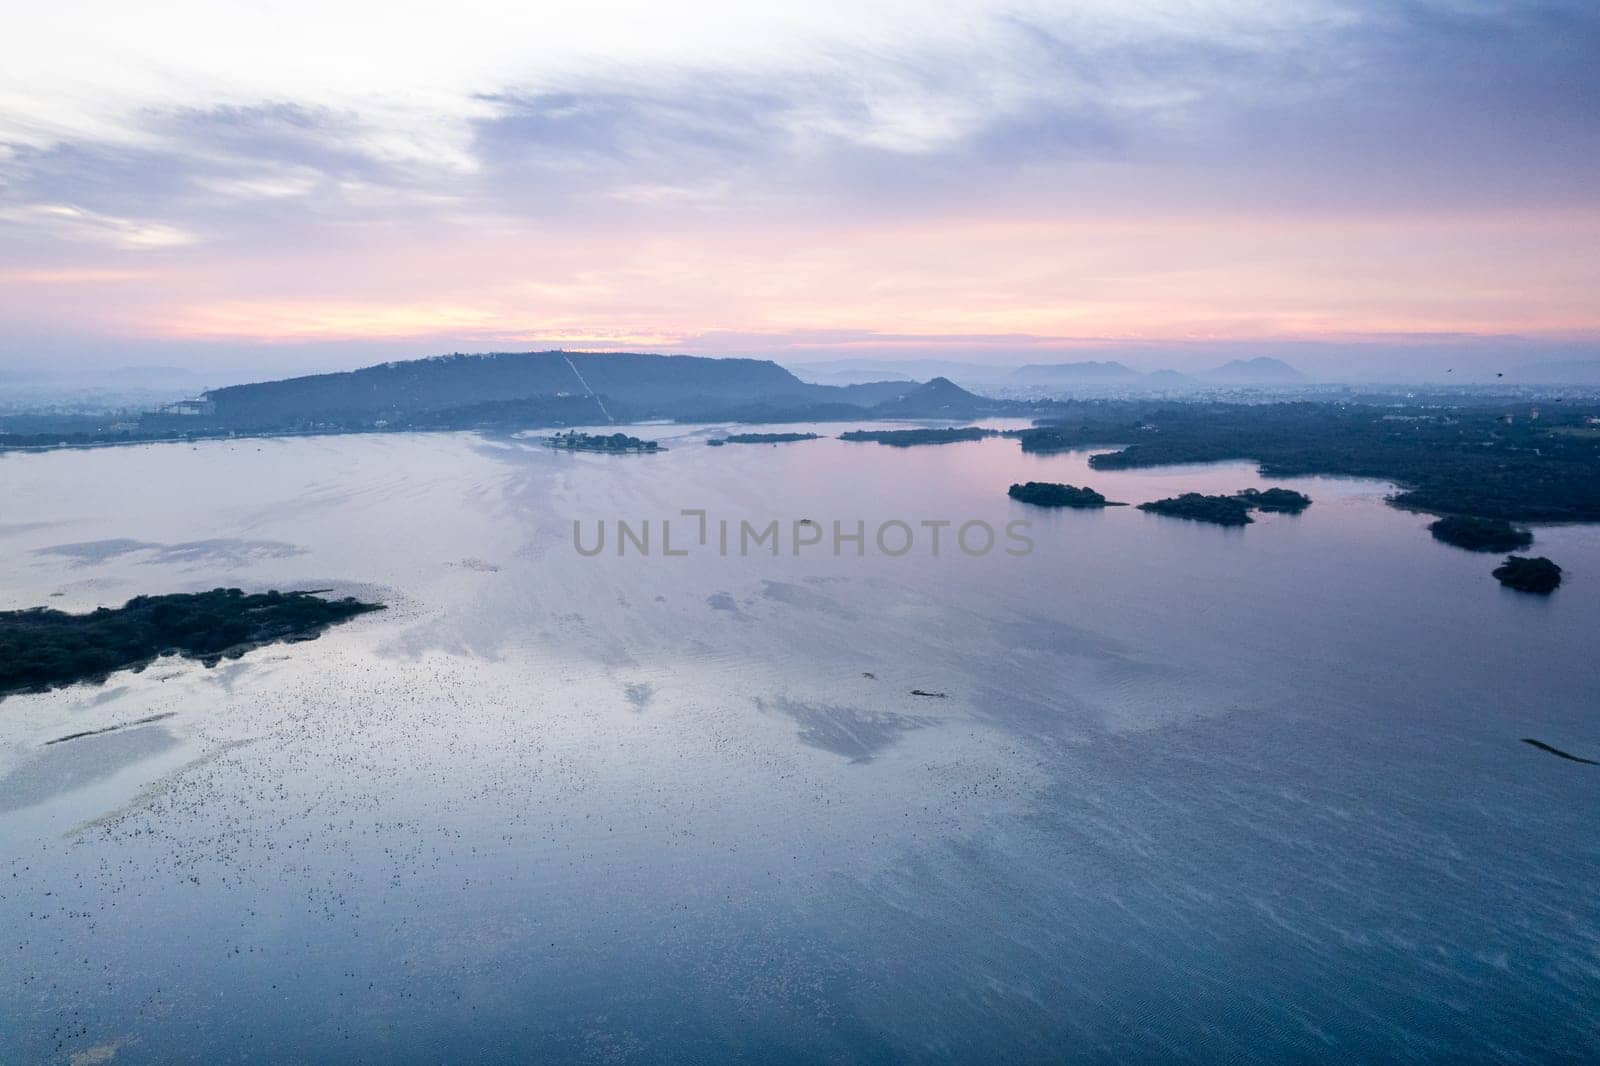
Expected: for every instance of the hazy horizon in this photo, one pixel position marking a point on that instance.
(1476, 362)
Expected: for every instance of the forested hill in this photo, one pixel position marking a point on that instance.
(528, 389)
(407, 389)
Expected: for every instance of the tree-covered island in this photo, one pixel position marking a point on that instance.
(1218, 510)
(760, 438)
(1053, 494)
(1480, 534)
(906, 438)
(42, 649)
(612, 443)
(1229, 510)
(1525, 574)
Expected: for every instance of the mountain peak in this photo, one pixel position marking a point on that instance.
(1262, 369)
(1087, 372)
(936, 398)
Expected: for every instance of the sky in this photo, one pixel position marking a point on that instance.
(285, 186)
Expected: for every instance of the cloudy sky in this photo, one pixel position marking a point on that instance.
(281, 185)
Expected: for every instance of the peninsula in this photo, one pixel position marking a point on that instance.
(1456, 455)
(41, 649)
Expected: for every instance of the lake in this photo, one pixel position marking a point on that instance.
(1179, 792)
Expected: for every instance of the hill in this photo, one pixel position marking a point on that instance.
(651, 385)
(1262, 370)
(556, 389)
(939, 398)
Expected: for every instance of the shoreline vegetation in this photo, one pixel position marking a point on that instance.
(43, 649)
(1522, 462)
(761, 438)
(1479, 534)
(1534, 574)
(1054, 494)
(909, 438)
(611, 444)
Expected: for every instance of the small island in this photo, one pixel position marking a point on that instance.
(613, 443)
(1230, 510)
(1277, 501)
(1218, 510)
(1480, 534)
(41, 649)
(760, 438)
(906, 438)
(1053, 494)
(1529, 574)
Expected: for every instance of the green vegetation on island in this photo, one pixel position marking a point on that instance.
(1229, 510)
(1480, 534)
(1218, 510)
(906, 438)
(1529, 574)
(1053, 494)
(1515, 461)
(42, 648)
(1276, 501)
(573, 441)
(760, 438)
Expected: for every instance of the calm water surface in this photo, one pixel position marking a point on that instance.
(1190, 793)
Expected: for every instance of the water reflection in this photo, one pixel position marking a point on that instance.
(1190, 792)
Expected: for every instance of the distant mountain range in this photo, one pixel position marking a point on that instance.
(1262, 370)
(863, 371)
(1259, 371)
(1097, 374)
(1108, 373)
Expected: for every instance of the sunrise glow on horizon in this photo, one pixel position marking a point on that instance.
(853, 179)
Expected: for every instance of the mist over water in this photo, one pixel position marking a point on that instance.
(1189, 792)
